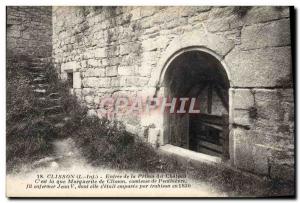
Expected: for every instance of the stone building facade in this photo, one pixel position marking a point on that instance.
(29, 31)
(161, 51)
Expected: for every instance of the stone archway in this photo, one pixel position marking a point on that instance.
(217, 46)
(216, 65)
(198, 74)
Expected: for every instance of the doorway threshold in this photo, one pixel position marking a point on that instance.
(188, 155)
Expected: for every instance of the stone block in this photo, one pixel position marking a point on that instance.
(148, 10)
(126, 70)
(243, 148)
(259, 14)
(127, 48)
(135, 14)
(89, 54)
(261, 156)
(242, 99)
(241, 117)
(83, 63)
(89, 99)
(94, 63)
(111, 71)
(149, 58)
(115, 81)
(268, 106)
(153, 134)
(218, 24)
(144, 70)
(266, 67)
(90, 82)
(76, 80)
(186, 11)
(155, 43)
(97, 72)
(91, 113)
(103, 82)
(96, 82)
(72, 65)
(88, 91)
(275, 33)
(100, 53)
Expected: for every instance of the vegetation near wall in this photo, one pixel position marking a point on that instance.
(27, 134)
(30, 130)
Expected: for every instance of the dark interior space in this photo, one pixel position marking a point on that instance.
(197, 74)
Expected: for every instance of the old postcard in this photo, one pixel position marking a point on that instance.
(150, 101)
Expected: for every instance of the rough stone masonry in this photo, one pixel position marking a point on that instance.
(113, 51)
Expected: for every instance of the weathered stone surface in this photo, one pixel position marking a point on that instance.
(243, 147)
(282, 172)
(111, 71)
(154, 43)
(126, 51)
(153, 136)
(29, 31)
(269, 67)
(76, 80)
(89, 99)
(91, 72)
(275, 33)
(126, 70)
(261, 156)
(96, 82)
(73, 65)
(268, 105)
(94, 63)
(87, 91)
(144, 70)
(186, 11)
(219, 24)
(259, 14)
(243, 99)
(241, 117)
(100, 53)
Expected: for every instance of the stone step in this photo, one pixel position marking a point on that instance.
(42, 99)
(38, 74)
(44, 59)
(55, 102)
(53, 110)
(50, 102)
(40, 86)
(37, 68)
(54, 95)
(39, 94)
(40, 90)
(67, 118)
(39, 79)
(59, 125)
(38, 82)
(38, 63)
(58, 118)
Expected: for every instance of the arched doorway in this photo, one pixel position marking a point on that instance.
(200, 75)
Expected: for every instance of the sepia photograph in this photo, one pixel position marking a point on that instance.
(150, 101)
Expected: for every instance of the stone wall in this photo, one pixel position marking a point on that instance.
(29, 31)
(124, 50)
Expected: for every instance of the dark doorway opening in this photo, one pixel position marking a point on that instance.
(199, 75)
